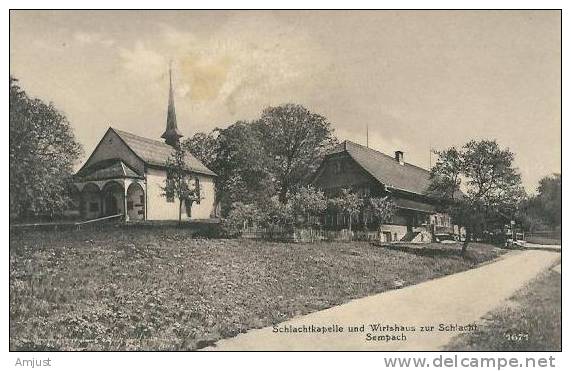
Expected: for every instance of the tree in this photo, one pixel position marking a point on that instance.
(490, 183)
(549, 197)
(43, 150)
(544, 209)
(348, 203)
(382, 208)
(530, 215)
(274, 154)
(178, 181)
(204, 147)
(308, 202)
(237, 155)
(295, 140)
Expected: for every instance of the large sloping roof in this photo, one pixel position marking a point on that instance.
(154, 152)
(386, 169)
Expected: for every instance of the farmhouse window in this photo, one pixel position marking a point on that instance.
(337, 167)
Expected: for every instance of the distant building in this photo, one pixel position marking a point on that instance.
(126, 172)
(372, 173)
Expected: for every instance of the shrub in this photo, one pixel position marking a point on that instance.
(240, 216)
(308, 204)
(382, 208)
(276, 213)
(348, 203)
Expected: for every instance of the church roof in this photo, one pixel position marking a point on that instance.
(108, 169)
(154, 152)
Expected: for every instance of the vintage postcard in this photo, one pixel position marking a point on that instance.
(251, 180)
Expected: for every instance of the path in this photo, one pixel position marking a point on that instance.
(536, 246)
(457, 299)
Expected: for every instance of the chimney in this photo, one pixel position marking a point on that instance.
(399, 156)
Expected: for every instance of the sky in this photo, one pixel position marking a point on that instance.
(416, 79)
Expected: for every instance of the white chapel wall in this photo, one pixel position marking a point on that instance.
(159, 209)
(205, 209)
(157, 206)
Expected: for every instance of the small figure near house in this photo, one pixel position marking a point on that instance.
(371, 173)
(126, 173)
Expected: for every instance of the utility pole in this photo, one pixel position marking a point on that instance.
(430, 155)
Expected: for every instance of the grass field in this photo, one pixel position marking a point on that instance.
(529, 321)
(130, 289)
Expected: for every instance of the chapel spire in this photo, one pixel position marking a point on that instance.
(171, 134)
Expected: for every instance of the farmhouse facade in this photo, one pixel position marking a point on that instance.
(372, 173)
(125, 175)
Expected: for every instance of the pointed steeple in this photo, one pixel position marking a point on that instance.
(171, 134)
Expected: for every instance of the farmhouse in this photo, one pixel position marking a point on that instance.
(372, 173)
(126, 172)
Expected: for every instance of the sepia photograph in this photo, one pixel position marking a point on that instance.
(285, 180)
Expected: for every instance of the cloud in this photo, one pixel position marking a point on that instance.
(143, 62)
(232, 67)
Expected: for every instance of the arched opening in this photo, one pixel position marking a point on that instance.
(90, 204)
(135, 202)
(113, 199)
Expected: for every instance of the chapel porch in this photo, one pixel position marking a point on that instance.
(110, 188)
